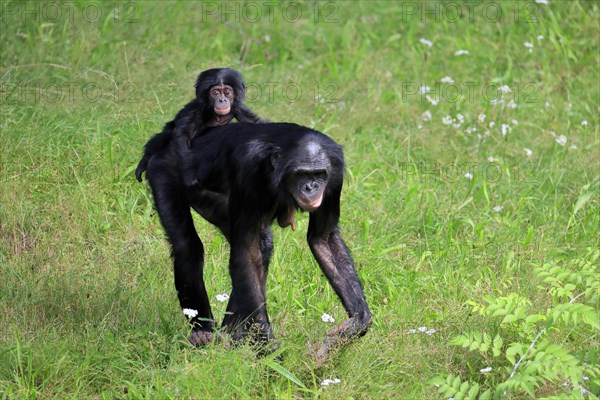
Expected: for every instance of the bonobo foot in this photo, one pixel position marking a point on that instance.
(200, 337)
(337, 337)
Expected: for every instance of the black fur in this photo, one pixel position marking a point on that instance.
(199, 114)
(248, 175)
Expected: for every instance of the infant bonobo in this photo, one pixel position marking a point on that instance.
(219, 98)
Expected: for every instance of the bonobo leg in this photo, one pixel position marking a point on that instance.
(186, 248)
(251, 249)
(333, 257)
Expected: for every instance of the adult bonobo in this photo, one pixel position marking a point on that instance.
(247, 176)
(219, 99)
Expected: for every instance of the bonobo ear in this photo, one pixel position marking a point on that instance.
(275, 156)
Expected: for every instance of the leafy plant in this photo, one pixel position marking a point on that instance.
(522, 361)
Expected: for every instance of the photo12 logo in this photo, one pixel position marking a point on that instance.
(92, 11)
(70, 92)
(255, 11)
(471, 11)
(291, 92)
(453, 92)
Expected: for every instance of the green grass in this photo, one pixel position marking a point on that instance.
(87, 299)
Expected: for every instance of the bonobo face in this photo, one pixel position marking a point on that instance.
(307, 177)
(221, 97)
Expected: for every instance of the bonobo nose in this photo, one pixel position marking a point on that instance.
(311, 187)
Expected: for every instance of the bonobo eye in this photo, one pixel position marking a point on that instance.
(228, 92)
(215, 92)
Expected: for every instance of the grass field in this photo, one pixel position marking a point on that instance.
(470, 206)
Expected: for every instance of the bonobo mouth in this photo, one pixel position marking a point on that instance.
(310, 205)
(222, 111)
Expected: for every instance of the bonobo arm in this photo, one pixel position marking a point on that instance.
(333, 257)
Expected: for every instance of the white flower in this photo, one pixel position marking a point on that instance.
(584, 123)
(426, 116)
(498, 209)
(505, 89)
(541, 1)
(222, 297)
(481, 117)
(327, 318)
(528, 152)
(430, 331)
(411, 331)
(528, 45)
(515, 122)
(328, 382)
(496, 101)
(471, 129)
(492, 159)
(460, 118)
(190, 313)
(573, 147)
(469, 176)
(547, 105)
(512, 104)
(447, 120)
(461, 52)
(267, 38)
(426, 42)
(505, 129)
(447, 79)
(431, 100)
(424, 89)
(552, 133)
(562, 140)
(484, 370)
(422, 329)
(540, 37)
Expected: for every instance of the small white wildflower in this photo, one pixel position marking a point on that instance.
(486, 134)
(471, 129)
(422, 329)
(562, 140)
(469, 176)
(484, 370)
(573, 147)
(431, 100)
(222, 297)
(411, 331)
(528, 152)
(492, 159)
(505, 129)
(541, 1)
(327, 318)
(426, 116)
(190, 313)
(586, 378)
(540, 37)
(492, 124)
(481, 118)
(267, 38)
(447, 79)
(328, 382)
(498, 208)
(584, 123)
(514, 122)
(495, 102)
(460, 118)
(461, 52)
(447, 120)
(512, 104)
(430, 331)
(547, 105)
(426, 42)
(419, 126)
(528, 45)
(424, 89)
(552, 133)
(505, 89)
